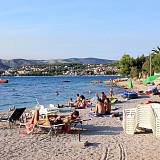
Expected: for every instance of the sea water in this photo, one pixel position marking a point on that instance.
(28, 91)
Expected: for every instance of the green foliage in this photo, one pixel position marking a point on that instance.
(139, 61)
(156, 51)
(134, 72)
(135, 67)
(115, 64)
(156, 63)
(125, 64)
(146, 67)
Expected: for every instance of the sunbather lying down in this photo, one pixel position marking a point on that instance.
(51, 120)
(59, 119)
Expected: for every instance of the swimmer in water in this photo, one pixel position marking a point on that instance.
(57, 93)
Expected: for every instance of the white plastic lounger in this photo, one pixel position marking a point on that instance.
(157, 122)
(129, 120)
(156, 109)
(145, 117)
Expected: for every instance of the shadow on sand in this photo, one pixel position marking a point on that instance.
(143, 96)
(101, 130)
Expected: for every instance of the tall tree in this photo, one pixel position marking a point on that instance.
(134, 72)
(146, 67)
(139, 62)
(125, 63)
(156, 62)
(156, 51)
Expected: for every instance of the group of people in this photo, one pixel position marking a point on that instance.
(103, 105)
(80, 102)
(152, 89)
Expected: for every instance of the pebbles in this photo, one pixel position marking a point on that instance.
(104, 135)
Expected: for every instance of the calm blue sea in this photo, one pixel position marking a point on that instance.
(23, 91)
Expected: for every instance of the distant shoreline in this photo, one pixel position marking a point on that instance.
(69, 76)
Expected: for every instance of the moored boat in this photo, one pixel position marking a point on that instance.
(3, 81)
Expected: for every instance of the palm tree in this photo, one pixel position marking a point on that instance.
(156, 51)
(156, 59)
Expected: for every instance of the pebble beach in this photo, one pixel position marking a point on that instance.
(105, 136)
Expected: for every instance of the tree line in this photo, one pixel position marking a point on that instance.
(136, 67)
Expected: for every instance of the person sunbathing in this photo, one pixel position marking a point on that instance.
(78, 101)
(71, 103)
(71, 118)
(66, 120)
(100, 108)
(51, 120)
(107, 106)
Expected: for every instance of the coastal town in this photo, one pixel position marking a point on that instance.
(61, 69)
(79, 80)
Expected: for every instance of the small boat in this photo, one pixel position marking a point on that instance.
(66, 81)
(130, 95)
(3, 81)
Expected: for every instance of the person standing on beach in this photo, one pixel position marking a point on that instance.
(111, 88)
(111, 92)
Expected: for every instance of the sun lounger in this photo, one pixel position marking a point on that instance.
(51, 129)
(129, 120)
(145, 116)
(55, 129)
(140, 117)
(15, 116)
(50, 125)
(157, 122)
(156, 110)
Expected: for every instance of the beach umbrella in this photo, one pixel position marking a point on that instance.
(150, 79)
(130, 84)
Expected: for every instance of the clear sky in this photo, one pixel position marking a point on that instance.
(49, 29)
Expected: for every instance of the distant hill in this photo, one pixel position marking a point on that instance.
(16, 63)
(89, 61)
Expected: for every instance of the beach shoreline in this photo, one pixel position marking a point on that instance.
(105, 135)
